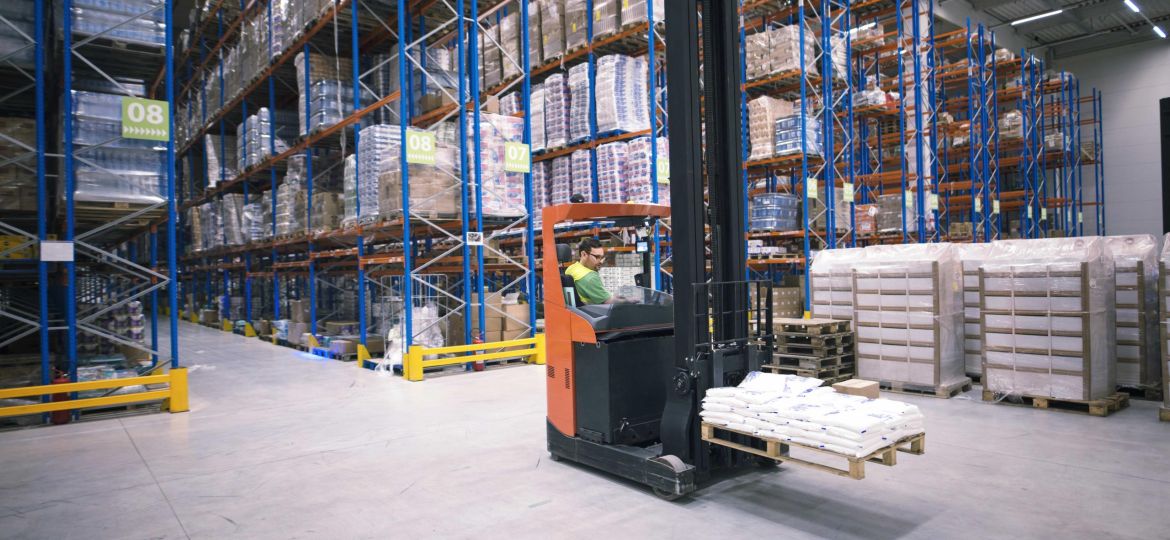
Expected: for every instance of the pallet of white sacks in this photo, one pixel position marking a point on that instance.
(781, 451)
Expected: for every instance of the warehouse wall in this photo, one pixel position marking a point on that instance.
(1132, 79)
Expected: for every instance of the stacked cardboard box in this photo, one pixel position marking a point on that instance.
(611, 160)
(971, 257)
(18, 179)
(763, 112)
(1136, 281)
(832, 282)
(552, 28)
(557, 99)
(622, 80)
(576, 24)
(326, 211)
(1048, 319)
(580, 103)
(638, 174)
(434, 190)
(635, 11)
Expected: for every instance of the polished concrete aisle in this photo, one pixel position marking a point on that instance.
(279, 444)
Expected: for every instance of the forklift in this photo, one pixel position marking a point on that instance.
(625, 380)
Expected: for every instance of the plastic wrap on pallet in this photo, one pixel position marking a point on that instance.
(637, 171)
(798, 410)
(231, 211)
(582, 174)
(763, 112)
(535, 48)
(374, 143)
(818, 209)
(971, 257)
(326, 212)
(254, 221)
(18, 178)
(891, 208)
(540, 190)
(605, 18)
(1164, 317)
(291, 207)
(1135, 263)
(789, 139)
(503, 192)
(434, 189)
(775, 212)
(1049, 318)
(908, 315)
(221, 158)
(831, 282)
(611, 160)
(491, 58)
(254, 136)
(140, 22)
(576, 24)
(536, 110)
(556, 111)
(634, 12)
(115, 169)
(622, 79)
(349, 190)
(560, 180)
(580, 103)
(512, 61)
(552, 28)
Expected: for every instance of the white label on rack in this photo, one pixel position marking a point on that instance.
(1043, 214)
(1029, 212)
(978, 205)
(908, 198)
(847, 192)
(812, 188)
(1080, 217)
(995, 207)
(934, 201)
(474, 238)
(53, 251)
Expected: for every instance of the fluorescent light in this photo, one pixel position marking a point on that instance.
(1158, 30)
(1040, 16)
(1132, 6)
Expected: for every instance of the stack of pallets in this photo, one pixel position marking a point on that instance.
(818, 348)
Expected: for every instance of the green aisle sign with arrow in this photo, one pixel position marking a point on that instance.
(145, 119)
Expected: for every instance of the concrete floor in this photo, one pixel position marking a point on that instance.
(279, 444)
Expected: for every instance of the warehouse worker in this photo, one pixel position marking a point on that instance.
(586, 280)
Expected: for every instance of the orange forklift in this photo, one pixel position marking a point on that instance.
(625, 380)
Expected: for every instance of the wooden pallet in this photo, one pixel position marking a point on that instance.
(809, 361)
(781, 451)
(1145, 393)
(1095, 407)
(835, 373)
(822, 352)
(1164, 414)
(944, 391)
(813, 327)
(814, 340)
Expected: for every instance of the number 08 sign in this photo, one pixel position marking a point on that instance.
(145, 119)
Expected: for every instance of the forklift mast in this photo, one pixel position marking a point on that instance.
(702, 40)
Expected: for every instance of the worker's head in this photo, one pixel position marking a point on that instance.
(590, 253)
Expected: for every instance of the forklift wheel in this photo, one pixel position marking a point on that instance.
(765, 463)
(553, 457)
(666, 495)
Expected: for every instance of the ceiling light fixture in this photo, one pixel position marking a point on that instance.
(1040, 16)
(1132, 6)
(1158, 30)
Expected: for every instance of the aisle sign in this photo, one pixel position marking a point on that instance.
(995, 207)
(420, 147)
(145, 119)
(663, 170)
(812, 188)
(517, 157)
(847, 192)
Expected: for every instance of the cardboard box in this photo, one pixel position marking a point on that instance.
(858, 387)
(341, 328)
(517, 317)
(342, 346)
(375, 344)
(208, 316)
(493, 336)
(296, 332)
(262, 327)
(298, 311)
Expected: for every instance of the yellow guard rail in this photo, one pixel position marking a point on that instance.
(174, 397)
(413, 362)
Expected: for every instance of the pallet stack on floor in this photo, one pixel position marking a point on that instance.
(818, 348)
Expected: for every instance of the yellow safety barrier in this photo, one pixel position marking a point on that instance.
(249, 330)
(174, 397)
(226, 325)
(413, 363)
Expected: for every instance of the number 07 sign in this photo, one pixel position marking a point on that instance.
(145, 119)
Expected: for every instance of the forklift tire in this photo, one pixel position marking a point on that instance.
(553, 457)
(666, 495)
(765, 463)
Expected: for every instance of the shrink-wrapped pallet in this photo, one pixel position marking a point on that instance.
(622, 80)
(580, 103)
(1048, 318)
(831, 282)
(611, 159)
(576, 24)
(908, 316)
(556, 111)
(763, 112)
(1135, 260)
(971, 257)
(1164, 325)
(605, 18)
(552, 28)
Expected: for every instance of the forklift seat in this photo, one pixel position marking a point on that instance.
(565, 255)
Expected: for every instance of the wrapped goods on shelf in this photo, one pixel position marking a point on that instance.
(580, 103)
(908, 315)
(818, 210)
(831, 282)
(18, 179)
(15, 48)
(788, 136)
(537, 122)
(605, 17)
(576, 24)
(1011, 125)
(115, 169)
(971, 257)
(552, 29)
(757, 48)
(290, 208)
(775, 212)
(434, 189)
(503, 192)
(634, 12)
(375, 142)
(254, 224)
(512, 61)
(763, 112)
(556, 111)
(611, 160)
(535, 49)
(797, 410)
(1164, 320)
(582, 174)
(622, 81)
(637, 171)
(510, 103)
(838, 53)
(779, 49)
(326, 211)
(231, 211)
(349, 190)
(540, 190)
(490, 57)
(1135, 262)
(129, 21)
(222, 153)
(890, 213)
(1048, 318)
(254, 137)
(267, 227)
(864, 222)
(560, 180)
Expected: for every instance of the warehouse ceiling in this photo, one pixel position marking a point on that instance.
(1062, 28)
